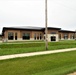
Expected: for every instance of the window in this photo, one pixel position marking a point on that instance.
(40, 36)
(35, 36)
(59, 36)
(72, 37)
(26, 36)
(10, 35)
(15, 36)
(65, 36)
(53, 32)
(44, 37)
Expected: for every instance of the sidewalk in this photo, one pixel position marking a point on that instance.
(72, 73)
(35, 53)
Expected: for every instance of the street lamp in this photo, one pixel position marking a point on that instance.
(46, 37)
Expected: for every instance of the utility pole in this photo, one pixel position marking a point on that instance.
(75, 34)
(46, 37)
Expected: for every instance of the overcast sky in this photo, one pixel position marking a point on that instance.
(61, 13)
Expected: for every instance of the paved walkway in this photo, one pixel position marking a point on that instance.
(72, 73)
(35, 53)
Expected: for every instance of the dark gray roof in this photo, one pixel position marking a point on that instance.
(24, 27)
(34, 28)
(66, 31)
(54, 28)
(30, 28)
(27, 27)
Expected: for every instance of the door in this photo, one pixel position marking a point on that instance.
(53, 38)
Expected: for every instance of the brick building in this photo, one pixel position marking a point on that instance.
(35, 33)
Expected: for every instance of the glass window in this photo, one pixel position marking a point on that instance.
(40, 36)
(10, 35)
(26, 36)
(65, 36)
(35, 36)
(15, 36)
(59, 36)
(72, 37)
(44, 37)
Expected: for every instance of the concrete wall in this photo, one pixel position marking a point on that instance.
(50, 35)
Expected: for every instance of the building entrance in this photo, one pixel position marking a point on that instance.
(53, 38)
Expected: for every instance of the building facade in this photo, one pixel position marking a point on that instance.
(0, 37)
(35, 33)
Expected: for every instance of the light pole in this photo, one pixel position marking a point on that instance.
(46, 37)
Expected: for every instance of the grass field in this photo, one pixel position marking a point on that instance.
(54, 64)
(15, 48)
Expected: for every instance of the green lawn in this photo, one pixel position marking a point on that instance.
(15, 48)
(54, 64)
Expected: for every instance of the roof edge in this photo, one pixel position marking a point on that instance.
(66, 31)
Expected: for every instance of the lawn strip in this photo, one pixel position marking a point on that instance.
(54, 64)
